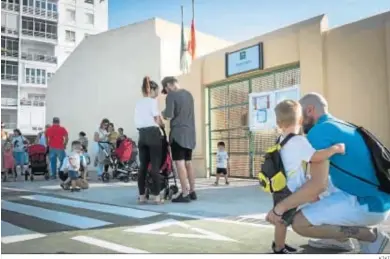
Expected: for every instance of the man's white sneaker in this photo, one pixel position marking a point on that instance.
(376, 247)
(332, 244)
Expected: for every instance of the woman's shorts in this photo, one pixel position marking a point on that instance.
(20, 158)
(73, 175)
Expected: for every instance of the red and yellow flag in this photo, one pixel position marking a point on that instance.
(192, 41)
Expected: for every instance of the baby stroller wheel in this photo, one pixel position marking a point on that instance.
(126, 179)
(47, 176)
(134, 177)
(32, 177)
(3, 176)
(174, 189)
(26, 177)
(105, 177)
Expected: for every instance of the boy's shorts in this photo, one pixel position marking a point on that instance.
(288, 216)
(221, 171)
(73, 175)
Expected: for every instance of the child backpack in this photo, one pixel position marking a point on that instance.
(380, 157)
(273, 177)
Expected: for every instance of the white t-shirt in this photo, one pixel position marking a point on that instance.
(295, 153)
(222, 159)
(145, 111)
(72, 162)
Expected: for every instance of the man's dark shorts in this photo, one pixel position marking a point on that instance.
(222, 171)
(288, 216)
(180, 153)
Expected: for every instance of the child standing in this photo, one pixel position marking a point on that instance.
(9, 163)
(296, 150)
(222, 163)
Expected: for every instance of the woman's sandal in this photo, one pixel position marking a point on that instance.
(157, 201)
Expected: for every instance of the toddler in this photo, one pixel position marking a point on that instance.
(222, 163)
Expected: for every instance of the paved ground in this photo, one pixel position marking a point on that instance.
(38, 217)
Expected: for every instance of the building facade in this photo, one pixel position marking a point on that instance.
(349, 65)
(110, 67)
(36, 38)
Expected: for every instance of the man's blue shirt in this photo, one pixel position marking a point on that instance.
(357, 161)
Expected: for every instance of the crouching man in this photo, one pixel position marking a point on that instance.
(73, 170)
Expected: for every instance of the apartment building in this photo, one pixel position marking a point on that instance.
(36, 38)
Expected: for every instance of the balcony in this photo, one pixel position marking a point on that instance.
(12, 32)
(5, 53)
(40, 35)
(39, 58)
(10, 125)
(33, 103)
(10, 7)
(9, 102)
(41, 13)
(10, 78)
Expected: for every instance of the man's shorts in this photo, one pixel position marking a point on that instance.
(341, 209)
(222, 171)
(288, 216)
(73, 175)
(180, 153)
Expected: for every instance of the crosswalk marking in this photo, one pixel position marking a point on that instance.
(12, 234)
(54, 216)
(13, 189)
(110, 209)
(108, 245)
(91, 185)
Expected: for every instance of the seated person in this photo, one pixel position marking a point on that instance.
(73, 169)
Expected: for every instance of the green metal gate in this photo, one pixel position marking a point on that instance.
(228, 115)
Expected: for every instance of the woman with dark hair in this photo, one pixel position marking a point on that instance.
(148, 122)
(101, 135)
(19, 143)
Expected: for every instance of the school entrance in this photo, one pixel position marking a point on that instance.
(228, 104)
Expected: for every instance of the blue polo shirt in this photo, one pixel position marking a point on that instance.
(356, 160)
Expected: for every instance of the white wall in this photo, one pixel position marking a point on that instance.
(103, 76)
(102, 79)
(10, 20)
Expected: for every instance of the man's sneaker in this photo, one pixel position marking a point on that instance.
(376, 247)
(286, 250)
(193, 196)
(332, 244)
(63, 186)
(181, 198)
(75, 189)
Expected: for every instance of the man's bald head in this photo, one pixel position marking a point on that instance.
(317, 101)
(314, 106)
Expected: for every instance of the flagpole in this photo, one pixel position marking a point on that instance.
(193, 9)
(182, 15)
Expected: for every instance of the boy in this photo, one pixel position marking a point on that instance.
(222, 163)
(294, 154)
(72, 166)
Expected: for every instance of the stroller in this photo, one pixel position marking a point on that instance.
(38, 165)
(167, 172)
(123, 161)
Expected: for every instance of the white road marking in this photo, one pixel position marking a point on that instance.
(111, 209)
(153, 227)
(218, 220)
(91, 185)
(108, 245)
(14, 189)
(13, 234)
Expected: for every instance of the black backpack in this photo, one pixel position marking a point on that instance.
(273, 177)
(380, 156)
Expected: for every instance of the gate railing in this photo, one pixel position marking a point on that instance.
(228, 116)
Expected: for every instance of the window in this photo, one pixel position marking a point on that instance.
(35, 76)
(9, 68)
(88, 1)
(70, 36)
(89, 18)
(70, 15)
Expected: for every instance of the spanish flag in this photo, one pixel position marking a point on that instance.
(192, 41)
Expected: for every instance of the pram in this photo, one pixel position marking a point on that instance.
(38, 165)
(167, 172)
(123, 161)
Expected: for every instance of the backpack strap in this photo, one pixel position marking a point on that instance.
(286, 139)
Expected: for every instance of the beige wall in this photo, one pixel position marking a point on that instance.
(350, 65)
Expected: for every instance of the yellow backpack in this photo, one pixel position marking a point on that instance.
(273, 177)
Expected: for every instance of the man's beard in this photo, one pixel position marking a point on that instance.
(308, 125)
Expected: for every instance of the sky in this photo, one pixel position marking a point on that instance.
(238, 20)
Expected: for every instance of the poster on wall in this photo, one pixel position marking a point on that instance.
(262, 105)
